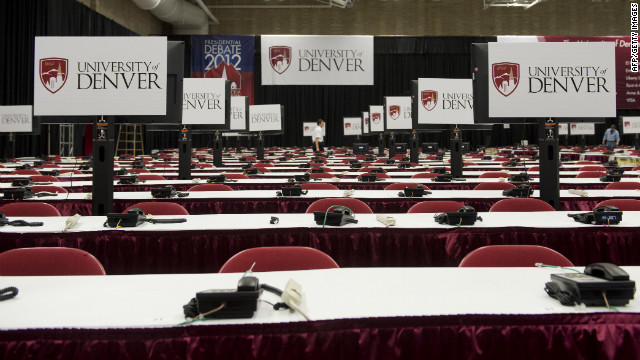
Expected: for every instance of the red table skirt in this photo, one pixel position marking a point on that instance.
(557, 336)
(295, 205)
(204, 251)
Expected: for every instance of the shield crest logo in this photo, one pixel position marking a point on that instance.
(280, 58)
(627, 124)
(366, 121)
(429, 99)
(375, 117)
(347, 126)
(394, 112)
(53, 73)
(573, 126)
(506, 77)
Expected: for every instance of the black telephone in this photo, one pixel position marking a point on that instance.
(520, 191)
(4, 221)
(611, 178)
(135, 217)
(335, 216)
(217, 179)
(166, 192)
(295, 190)
(418, 191)
(368, 177)
(465, 215)
(355, 165)
(22, 182)
(18, 194)
(129, 180)
(603, 215)
(443, 178)
(599, 285)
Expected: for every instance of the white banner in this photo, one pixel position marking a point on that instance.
(631, 125)
(582, 128)
(203, 101)
(397, 113)
(307, 129)
(552, 79)
(365, 122)
(239, 112)
(16, 118)
(265, 118)
(352, 126)
(100, 75)
(445, 101)
(316, 60)
(563, 129)
(376, 118)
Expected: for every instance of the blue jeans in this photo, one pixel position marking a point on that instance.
(611, 145)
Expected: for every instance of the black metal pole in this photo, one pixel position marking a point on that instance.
(102, 182)
(550, 165)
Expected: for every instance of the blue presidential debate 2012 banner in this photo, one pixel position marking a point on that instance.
(225, 56)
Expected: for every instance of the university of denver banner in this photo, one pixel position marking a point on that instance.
(627, 81)
(552, 79)
(316, 60)
(445, 101)
(100, 75)
(225, 56)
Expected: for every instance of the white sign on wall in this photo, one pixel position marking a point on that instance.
(100, 75)
(352, 126)
(365, 122)
(265, 118)
(307, 129)
(398, 113)
(316, 60)
(376, 118)
(582, 128)
(563, 129)
(203, 101)
(239, 111)
(552, 79)
(16, 118)
(631, 125)
(445, 101)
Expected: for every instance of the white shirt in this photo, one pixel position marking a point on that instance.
(317, 133)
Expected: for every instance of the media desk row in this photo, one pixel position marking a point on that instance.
(386, 313)
(267, 201)
(205, 242)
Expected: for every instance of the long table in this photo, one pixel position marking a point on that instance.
(267, 201)
(452, 313)
(205, 242)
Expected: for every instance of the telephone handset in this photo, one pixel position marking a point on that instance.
(602, 215)
(601, 284)
(336, 215)
(606, 271)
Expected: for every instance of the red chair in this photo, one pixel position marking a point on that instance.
(204, 165)
(30, 208)
(627, 185)
(159, 208)
(425, 175)
(250, 158)
(278, 258)
(162, 166)
(263, 165)
(25, 172)
(151, 177)
(435, 207)
(438, 167)
(501, 159)
(49, 261)
(401, 186)
(467, 163)
(622, 204)
(236, 176)
(586, 162)
(211, 187)
(379, 175)
(494, 186)
(323, 168)
(494, 175)
(590, 174)
(48, 188)
(368, 169)
(44, 178)
(534, 168)
(521, 205)
(318, 186)
(593, 168)
(636, 168)
(513, 256)
(138, 171)
(357, 206)
(263, 170)
(321, 176)
(49, 165)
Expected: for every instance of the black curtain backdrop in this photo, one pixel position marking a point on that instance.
(397, 61)
(20, 22)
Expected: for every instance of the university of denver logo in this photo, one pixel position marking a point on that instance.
(280, 58)
(53, 73)
(375, 117)
(627, 124)
(394, 112)
(506, 77)
(429, 99)
(347, 126)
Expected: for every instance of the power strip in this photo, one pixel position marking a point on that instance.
(386, 220)
(578, 192)
(292, 296)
